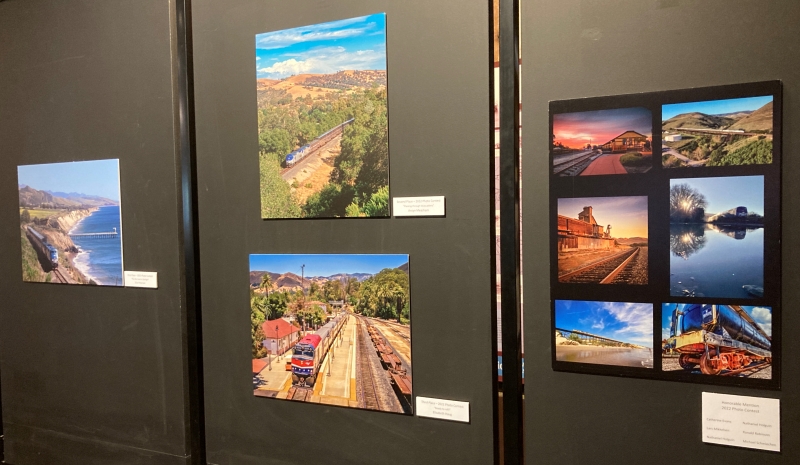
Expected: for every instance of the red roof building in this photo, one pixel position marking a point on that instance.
(280, 335)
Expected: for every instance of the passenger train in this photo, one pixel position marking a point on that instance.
(43, 247)
(309, 352)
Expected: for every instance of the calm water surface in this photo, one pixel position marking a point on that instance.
(100, 259)
(621, 356)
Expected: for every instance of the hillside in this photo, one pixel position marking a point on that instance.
(697, 120)
(291, 281)
(632, 240)
(86, 200)
(33, 198)
(759, 120)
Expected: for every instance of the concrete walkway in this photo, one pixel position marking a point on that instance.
(607, 164)
(338, 369)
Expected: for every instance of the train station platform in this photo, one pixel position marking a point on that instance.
(337, 381)
(607, 164)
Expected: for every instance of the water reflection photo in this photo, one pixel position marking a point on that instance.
(717, 340)
(717, 237)
(604, 333)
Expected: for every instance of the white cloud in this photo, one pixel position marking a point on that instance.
(598, 325)
(763, 316)
(637, 321)
(325, 31)
(665, 332)
(325, 61)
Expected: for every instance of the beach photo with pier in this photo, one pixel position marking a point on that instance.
(716, 237)
(604, 333)
(613, 141)
(332, 329)
(717, 132)
(323, 132)
(717, 340)
(70, 223)
(602, 240)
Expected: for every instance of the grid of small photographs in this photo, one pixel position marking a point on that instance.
(665, 244)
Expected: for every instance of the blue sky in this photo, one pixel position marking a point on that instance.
(325, 264)
(96, 177)
(626, 215)
(715, 107)
(355, 43)
(725, 193)
(761, 315)
(621, 321)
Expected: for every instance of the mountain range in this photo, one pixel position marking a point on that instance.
(33, 198)
(758, 120)
(292, 282)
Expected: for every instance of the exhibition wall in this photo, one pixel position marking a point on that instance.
(92, 374)
(579, 49)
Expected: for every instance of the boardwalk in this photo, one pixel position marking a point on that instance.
(607, 164)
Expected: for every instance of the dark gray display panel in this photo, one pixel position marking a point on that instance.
(439, 125)
(593, 49)
(93, 374)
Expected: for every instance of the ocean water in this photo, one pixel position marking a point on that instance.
(100, 259)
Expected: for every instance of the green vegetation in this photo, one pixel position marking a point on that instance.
(634, 159)
(758, 152)
(360, 170)
(385, 295)
(31, 270)
(38, 213)
(668, 161)
(686, 204)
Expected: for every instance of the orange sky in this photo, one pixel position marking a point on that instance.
(598, 127)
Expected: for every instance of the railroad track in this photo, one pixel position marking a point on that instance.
(753, 369)
(603, 271)
(369, 392)
(59, 276)
(574, 166)
(300, 393)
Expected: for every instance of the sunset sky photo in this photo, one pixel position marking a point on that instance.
(626, 215)
(575, 130)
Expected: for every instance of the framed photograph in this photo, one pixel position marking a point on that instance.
(332, 329)
(323, 131)
(693, 234)
(71, 223)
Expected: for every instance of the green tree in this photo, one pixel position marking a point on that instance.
(25, 216)
(276, 196)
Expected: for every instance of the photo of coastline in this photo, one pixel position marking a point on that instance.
(604, 333)
(716, 237)
(323, 132)
(717, 132)
(614, 141)
(332, 329)
(70, 223)
(602, 240)
(717, 340)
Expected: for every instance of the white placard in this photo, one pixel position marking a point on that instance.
(443, 409)
(418, 206)
(741, 421)
(147, 279)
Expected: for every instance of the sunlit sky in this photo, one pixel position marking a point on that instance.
(325, 264)
(715, 107)
(761, 315)
(724, 193)
(96, 177)
(348, 44)
(598, 127)
(626, 215)
(621, 321)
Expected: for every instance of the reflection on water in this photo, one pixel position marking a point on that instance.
(621, 356)
(713, 260)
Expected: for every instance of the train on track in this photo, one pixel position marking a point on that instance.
(309, 352)
(295, 156)
(43, 248)
(717, 337)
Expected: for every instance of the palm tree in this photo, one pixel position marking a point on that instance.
(266, 283)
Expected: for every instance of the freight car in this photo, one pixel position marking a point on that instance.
(308, 354)
(717, 337)
(43, 247)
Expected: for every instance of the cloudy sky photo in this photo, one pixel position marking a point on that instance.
(355, 43)
(621, 321)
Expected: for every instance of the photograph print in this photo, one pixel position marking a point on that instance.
(332, 329)
(70, 223)
(717, 133)
(716, 237)
(614, 141)
(323, 131)
(717, 340)
(604, 333)
(602, 240)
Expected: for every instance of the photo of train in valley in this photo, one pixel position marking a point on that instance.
(323, 132)
(332, 329)
(602, 240)
(613, 141)
(70, 223)
(717, 133)
(717, 340)
(716, 237)
(604, 333)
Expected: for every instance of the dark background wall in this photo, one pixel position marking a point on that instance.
(93, 375)
(582, 48)
(439, 127)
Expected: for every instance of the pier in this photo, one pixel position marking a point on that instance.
(99, 235)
